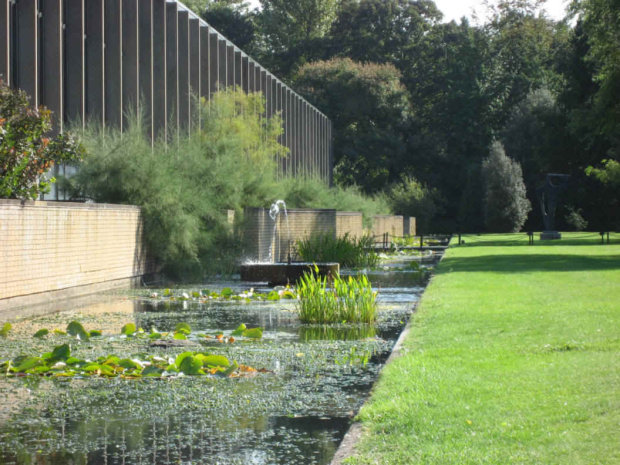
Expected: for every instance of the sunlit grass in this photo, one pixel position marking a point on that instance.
(512, 358)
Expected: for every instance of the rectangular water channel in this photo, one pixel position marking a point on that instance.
(312, 380)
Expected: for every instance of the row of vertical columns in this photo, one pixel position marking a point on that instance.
(104, 61)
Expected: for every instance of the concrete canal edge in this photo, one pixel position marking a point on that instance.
(353, 435)
(350, 440)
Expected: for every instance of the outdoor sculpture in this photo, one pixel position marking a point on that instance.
(548, 196)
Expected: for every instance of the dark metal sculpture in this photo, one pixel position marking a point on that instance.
(548, 196)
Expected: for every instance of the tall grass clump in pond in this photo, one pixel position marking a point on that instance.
(348, 300)
(346, 250)
(185, 184)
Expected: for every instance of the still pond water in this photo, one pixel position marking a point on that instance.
(296, 412)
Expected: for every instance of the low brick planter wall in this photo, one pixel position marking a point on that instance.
(50, 247)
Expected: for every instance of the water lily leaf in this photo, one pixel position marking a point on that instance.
(21, 364)
(60, 332)
(106, 370)
(41, 333)
(129, 364)
(240, 329)
(39, 370)
(181, 356)
(180, 336)
(205, 292)
(155, 336)
(4, 332)
(76, 329)
(190, 365)
(196, 294)
(95, 333)
(152, 370)
(226, 292)
(91, 367)
(253, 333)
(183, 328)
(273, 295)
(167, 293)
(112, 360)
(288, 295)
(129, 329)
(60, 353)
(215, 361)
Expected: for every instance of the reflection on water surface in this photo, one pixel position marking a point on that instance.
(295, 414)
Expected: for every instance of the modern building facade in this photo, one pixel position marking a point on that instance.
(99, 60)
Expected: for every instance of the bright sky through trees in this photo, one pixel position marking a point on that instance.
(455, 9)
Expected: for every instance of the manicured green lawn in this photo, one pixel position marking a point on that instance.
(513, 357)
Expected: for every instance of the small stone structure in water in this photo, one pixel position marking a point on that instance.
(285, 273)
(277, 267)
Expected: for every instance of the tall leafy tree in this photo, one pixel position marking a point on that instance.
(292, 32)
(505, 203)
(233, 18)
(369, 108)
(600, 23)
(382, 30)
(523, 43)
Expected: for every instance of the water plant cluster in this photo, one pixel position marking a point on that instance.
(60, 363)
(349, 299)
(227, 293)
(349, 251)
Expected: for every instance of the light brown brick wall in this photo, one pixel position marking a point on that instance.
(302, 223)
(393, 225)
(349, 222)
(49, 246)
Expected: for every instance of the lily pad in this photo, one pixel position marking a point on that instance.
(153, 371)
(129, 329)
(41, 333)
(214, 360)
(190, 365)
(240, 329)
(76, 329)
(4, 332)
(253, 333)
(183, 328)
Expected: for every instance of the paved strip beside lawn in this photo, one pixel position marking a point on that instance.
(513, 357)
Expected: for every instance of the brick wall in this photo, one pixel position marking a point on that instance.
(260, 239)
(349, 222)
(393, 225)
(51, 246)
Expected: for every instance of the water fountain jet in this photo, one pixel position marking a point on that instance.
(280, 273)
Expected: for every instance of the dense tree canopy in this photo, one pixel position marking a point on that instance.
(369, 107)
(414, 100)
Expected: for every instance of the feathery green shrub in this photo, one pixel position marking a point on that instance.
(183, 186)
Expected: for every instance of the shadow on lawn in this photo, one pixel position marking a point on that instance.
(521, 263)
(570, 239)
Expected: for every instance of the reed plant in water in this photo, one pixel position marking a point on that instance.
(349, 251)
(343, 300)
